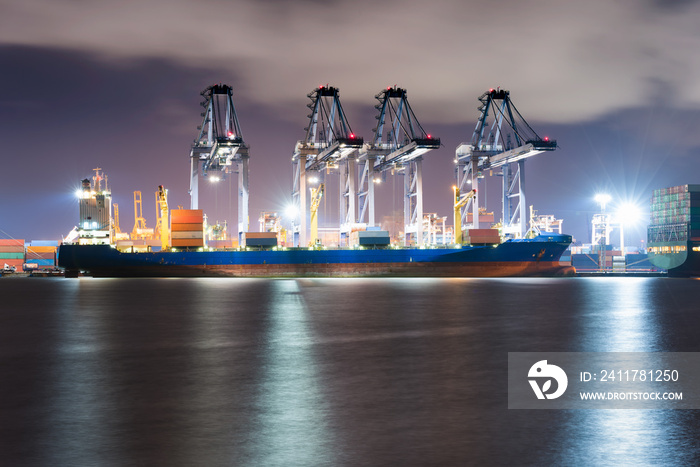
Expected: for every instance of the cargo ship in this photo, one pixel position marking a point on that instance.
(673, 236)
(537, 256)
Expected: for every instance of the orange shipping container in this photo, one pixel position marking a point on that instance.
(186, 227)
(261, 235)
(187, 220)
(178, 213)
(41, 249)
(11, 242)
(11, 249)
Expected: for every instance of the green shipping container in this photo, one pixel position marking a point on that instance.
(11, 256)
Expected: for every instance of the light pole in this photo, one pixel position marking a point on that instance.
(602, 199)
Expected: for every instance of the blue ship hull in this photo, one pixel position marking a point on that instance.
(523, 257)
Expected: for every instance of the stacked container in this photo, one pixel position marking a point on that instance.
(675, 214)
(12, 253)
(42, 254)
(482, 236)
(186, 228)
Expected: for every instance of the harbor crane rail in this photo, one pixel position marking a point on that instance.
(219, 147)
(504, 146)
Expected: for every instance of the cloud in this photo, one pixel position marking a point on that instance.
(562, 61)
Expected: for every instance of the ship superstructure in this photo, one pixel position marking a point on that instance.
(95, 201)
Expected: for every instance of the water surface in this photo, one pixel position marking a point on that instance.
(325, 371)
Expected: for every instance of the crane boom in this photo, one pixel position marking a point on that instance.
(316, 195)
(460, 202)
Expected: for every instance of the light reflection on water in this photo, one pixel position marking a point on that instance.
(325, 371)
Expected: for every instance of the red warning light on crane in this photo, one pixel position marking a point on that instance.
(352, 135)
(546, 138)
(430, 137)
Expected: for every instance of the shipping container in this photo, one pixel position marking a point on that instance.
(186, 227)
(11, 249)
(11, 242)
(186, 212)
(260, 234)
(53, 243)
(483, 233)
(32, 256)
(4, 256)
(181, 235)
(187, 220)
(41, 249)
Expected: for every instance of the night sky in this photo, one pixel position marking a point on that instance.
(116, 85)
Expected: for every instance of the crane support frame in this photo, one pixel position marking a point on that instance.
(507, 143)
(329, 143)
(219, 147)
(398, 147)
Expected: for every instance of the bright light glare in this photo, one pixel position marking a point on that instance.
(602, 199)
(291, 211)
(214, 179)
(78, 193)
(313, 179)
(629, 214)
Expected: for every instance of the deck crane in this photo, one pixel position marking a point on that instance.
(460, 202)
(115, 219)
(139, 231)
(329, 143)
(162, 229)
(316, 195)
(506, 146)
(399, 144)
(219, 147)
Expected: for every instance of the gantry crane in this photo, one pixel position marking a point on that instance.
(316, 195)
(219, 147)
(459, 202)
(400, 149)
(162, 229)
(329, 143)
(506, 146)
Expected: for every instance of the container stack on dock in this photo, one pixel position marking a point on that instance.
(187, 228)
(12, 253)
(42, 254)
